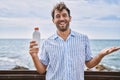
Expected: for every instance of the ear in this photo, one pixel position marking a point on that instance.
(53, 20)
(70, 18)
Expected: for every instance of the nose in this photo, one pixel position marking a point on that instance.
(61, 18)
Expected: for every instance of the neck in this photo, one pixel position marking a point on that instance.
(64, 34)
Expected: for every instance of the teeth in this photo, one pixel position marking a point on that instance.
(62, 23)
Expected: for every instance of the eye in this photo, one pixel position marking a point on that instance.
(64, 15)
(57, 16)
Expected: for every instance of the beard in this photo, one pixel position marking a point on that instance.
(62, 27)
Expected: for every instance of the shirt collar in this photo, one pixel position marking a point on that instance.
(72, 34)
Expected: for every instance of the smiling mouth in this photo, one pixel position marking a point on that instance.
(62, 23)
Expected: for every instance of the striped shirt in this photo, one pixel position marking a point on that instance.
(65, 60)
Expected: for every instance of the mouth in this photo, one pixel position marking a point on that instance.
(62, 23)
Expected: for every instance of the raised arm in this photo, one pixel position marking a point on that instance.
(94, 61)
(41, 68)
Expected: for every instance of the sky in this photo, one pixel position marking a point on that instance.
(99, 19)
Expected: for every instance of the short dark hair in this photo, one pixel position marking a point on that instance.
(60, 6)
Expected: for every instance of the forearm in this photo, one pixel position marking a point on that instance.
(39, 66)
(94, 61)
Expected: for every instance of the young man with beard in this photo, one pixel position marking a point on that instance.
(64, 54)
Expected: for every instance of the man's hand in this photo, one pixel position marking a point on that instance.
(94, 61)
(109, 50)
(33, 49)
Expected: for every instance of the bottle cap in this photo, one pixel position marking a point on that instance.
(36, 28)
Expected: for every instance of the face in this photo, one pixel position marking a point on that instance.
(61, 20)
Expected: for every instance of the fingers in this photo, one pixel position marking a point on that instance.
(109, 50)
(113, 49)
(118, 48)
(33, 43)
(33, 48)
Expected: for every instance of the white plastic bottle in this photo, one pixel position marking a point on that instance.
(36, 36)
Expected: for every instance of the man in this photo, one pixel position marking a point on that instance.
(64, 54)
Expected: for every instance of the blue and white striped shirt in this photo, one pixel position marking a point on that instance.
(65, 59)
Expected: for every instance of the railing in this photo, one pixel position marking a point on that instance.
(33, 75)
(102, 75)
